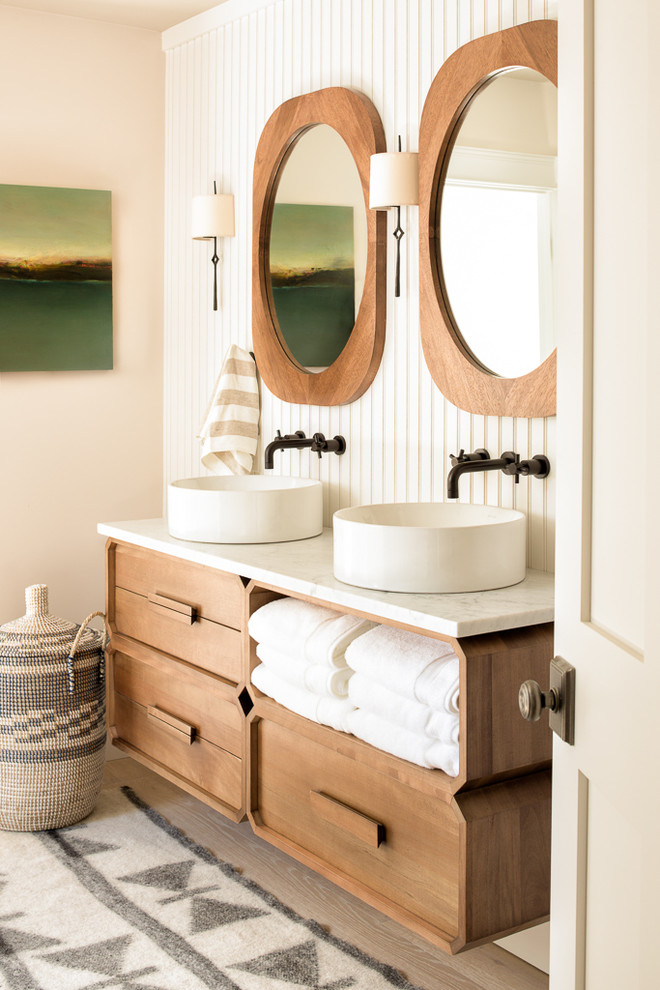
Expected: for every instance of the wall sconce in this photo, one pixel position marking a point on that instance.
(394, 181)
(213, 217)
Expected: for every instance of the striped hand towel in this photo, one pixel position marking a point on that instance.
(231, 423)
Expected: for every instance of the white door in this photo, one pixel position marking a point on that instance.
(605, 913)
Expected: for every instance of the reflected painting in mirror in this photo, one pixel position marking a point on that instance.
(317, 248)
(312, 275)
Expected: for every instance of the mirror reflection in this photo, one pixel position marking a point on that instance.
(318, 247)
(497, 223)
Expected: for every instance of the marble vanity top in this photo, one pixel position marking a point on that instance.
(305, 567)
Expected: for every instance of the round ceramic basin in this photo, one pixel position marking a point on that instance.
(433, 547)
(252, 508)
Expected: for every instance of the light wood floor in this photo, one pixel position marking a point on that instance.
(485, 968)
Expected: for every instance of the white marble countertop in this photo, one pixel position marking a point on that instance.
(305, 567)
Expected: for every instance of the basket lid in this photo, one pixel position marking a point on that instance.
(38, 632)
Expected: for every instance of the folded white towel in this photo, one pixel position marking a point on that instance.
(231, 423)
(389, 737)
(318, 708)
(437, 685)
(279, 622)
(412, 746)
(367, 693)
(318, 678)
(396, 658)
(329, 642)
(444, 756)
(443, 726)
(302, 629)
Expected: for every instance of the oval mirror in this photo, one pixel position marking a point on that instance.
(318, 252)
(487, 202)
(497, 217)
(318, 248)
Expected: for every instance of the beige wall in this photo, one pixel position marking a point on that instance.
(82, 106)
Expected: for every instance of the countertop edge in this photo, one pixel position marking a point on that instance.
(423, 612)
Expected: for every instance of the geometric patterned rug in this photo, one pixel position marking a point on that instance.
(124, 901)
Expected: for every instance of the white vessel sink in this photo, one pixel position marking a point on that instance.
(429, 547)
(252, 508)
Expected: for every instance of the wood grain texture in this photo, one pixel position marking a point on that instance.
(207, 769)
(454, 369)
(459, 873)
(211, 594)
(356, 119)
(203, 700)
(506, 838)
(206, 644)
(412, 876)
(487, 967)
(498, 742)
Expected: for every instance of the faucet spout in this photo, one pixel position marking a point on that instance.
(318, 444)
(296, 440)
(510, 463)
(461, 467)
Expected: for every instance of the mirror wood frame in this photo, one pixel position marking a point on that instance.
(455, 370)
(356, 120)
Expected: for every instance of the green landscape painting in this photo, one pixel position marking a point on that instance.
(313, 279)
(55, 279)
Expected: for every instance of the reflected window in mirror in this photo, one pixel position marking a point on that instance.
(318, 247)
(497, 220)
(487, 154)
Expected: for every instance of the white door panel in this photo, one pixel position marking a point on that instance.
(606, 862)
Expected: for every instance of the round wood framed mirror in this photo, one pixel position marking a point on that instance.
(462, 374)
(295, 287)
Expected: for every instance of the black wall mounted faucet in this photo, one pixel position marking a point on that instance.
(480, 460)
(317, 443)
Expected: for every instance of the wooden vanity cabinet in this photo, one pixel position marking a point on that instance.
(459, 860)
(176, 698)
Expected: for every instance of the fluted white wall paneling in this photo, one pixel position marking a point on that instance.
(224, 79)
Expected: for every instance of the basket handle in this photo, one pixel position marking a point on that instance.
(74, 647)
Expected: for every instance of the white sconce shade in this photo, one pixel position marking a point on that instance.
(212, 216)
(394, 180)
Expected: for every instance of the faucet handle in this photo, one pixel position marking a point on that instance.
(298, 435)
(481, 454)
(319, 444)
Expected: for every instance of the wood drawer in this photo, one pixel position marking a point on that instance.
(459, 870)
(216, 774)
(201, 700)
(214, 595)
(206, 644)
(374, 835)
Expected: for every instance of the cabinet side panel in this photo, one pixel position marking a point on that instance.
(507, 854)
(499, 741)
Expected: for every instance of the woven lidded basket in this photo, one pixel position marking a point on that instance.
(52, 718)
